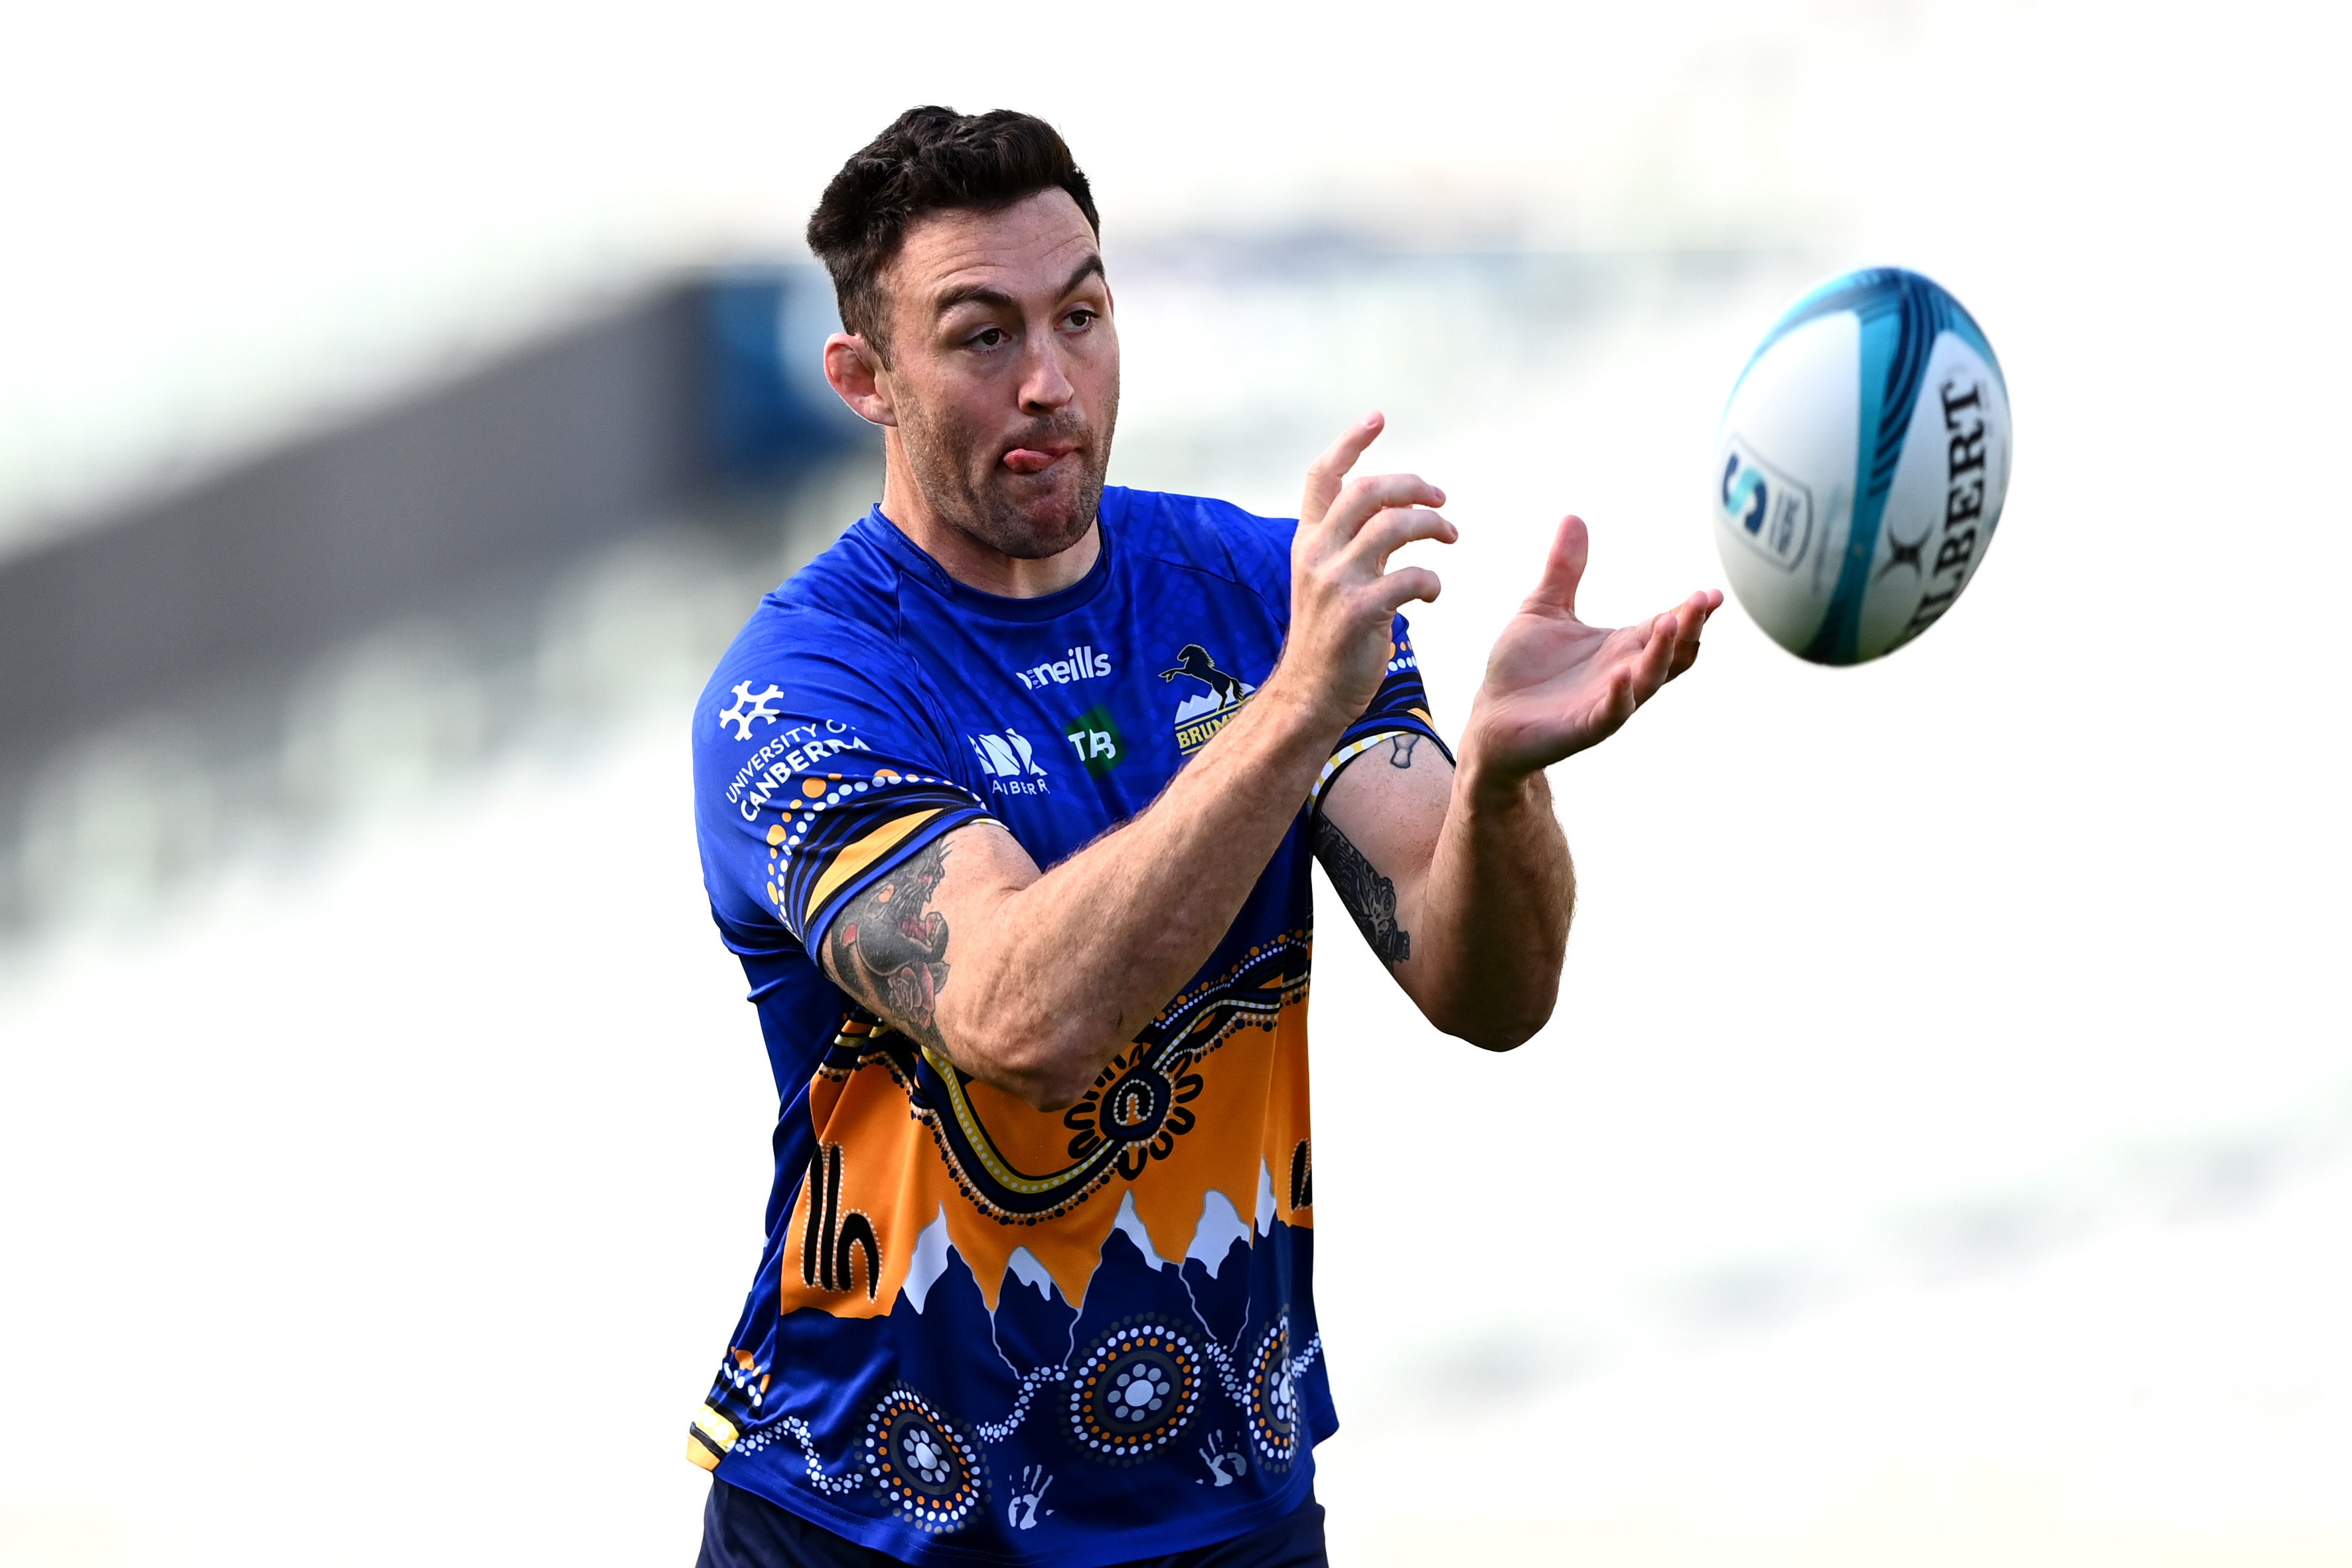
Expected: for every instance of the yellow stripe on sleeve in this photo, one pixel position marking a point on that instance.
(1347, 754)
(857, 855)
(707, 1440)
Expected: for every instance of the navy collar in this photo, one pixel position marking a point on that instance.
(879, 530)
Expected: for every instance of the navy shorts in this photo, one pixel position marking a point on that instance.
(744, 1530)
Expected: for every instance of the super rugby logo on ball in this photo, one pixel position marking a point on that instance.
(1860, 467)
(1772, 513)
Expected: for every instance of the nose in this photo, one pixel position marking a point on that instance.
(1044, 387)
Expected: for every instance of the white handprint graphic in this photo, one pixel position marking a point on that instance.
(1227, 1465)
(1022, 1512)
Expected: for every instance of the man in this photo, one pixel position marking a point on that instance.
(1005, 802)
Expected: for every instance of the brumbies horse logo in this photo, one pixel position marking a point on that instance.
(1204, 713)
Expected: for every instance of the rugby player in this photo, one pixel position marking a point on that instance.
(1006, 802)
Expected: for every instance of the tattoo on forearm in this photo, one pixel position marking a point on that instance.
(1370, 897)
(1400, 749)
(889, 949)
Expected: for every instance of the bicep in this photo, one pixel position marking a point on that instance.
(893, 943)
(1376, 832)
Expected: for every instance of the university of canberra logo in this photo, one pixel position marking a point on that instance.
(1207, 710)
(750, 705)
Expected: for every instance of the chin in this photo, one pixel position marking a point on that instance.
(1036, 527)
(1039, 541)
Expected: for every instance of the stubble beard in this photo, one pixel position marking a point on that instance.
(1028, 517)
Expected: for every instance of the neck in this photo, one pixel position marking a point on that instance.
(968, 559)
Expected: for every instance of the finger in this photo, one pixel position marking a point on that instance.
(1329, 472)
(1391, 530)
(1643, 664)
(1564, 567)
(1624, 696)
(1655, 661)
(1361, 500)
(1690, 621)
(1402, 587)
(1678, 629)
(1686, 655)
(1615, 705)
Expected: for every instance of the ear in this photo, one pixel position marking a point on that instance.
(856, 373)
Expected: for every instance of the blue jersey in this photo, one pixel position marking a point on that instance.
(981, 1333)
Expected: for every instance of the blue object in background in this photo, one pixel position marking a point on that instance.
(768, 411)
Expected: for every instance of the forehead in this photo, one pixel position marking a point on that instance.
(1031, 247)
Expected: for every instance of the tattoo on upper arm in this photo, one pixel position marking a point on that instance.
(1370, 897)
(1401, 748)
(889, 947)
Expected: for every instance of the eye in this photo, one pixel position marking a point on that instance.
(988, 337)
(1081, 319)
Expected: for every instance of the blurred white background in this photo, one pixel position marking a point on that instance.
(1944, 1153)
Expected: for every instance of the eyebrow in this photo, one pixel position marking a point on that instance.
(981, 294)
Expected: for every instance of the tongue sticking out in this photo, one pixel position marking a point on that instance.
(1028, 460)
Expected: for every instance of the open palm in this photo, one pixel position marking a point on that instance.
(1555, 685)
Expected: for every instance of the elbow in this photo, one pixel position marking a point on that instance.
(1494, 1024)
(1497, 1036)
(1046, 1071)
(1051, 1091)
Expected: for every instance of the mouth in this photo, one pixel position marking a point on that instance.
(1030, 460)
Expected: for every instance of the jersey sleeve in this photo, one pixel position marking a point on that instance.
(817, 772)
(1400, 707)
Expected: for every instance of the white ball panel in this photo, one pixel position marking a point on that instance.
(1792, 431)
(1947, 495)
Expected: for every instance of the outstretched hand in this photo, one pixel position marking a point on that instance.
(1555, 685)
(1343, 597)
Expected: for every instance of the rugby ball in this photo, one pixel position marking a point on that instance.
(1860, 467)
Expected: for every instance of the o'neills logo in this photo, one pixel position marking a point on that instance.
(1079, 663)
(1201, 715)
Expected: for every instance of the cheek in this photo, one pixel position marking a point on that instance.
(1097, 374)
(1103, 355)
(947, 414)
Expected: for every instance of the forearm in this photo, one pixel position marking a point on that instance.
(1069, 968)
(1032, 981)
(1491, 927)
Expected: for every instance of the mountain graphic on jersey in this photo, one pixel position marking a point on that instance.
(1188, 1139)
(980, 1332)
(1200, 716)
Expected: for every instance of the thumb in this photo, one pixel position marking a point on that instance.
(1564, 568)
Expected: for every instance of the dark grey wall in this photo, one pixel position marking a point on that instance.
(672, 400)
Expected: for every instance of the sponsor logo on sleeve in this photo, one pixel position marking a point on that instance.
(1079, 663)
(785, 754)
(1009, 762)
(1216, 695)
(749, 707)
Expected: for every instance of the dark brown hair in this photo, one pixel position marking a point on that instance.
(930, 160)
